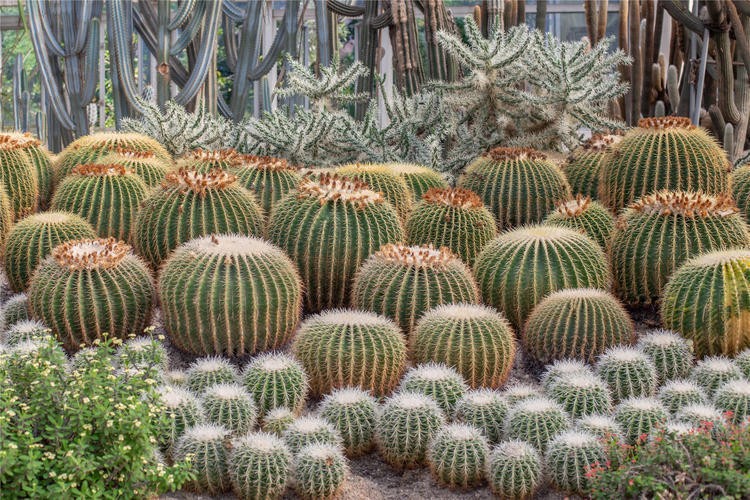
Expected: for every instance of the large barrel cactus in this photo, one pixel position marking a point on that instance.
(586, 216)
(40, 160)
(585, 164)
(145, 164)
(18, 176)
(203, 160)
(269, 178)
(419, 178)
(382, 179)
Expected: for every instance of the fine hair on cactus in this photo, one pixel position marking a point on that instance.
(536, 420)
(742, 360)
(15, 309)
(352, 412)
(144, 350)
(457, 456)
(319, 471)
(517, 392)
(700, 415)
(204, 444)
(638, 416)
(308, 430)
(561, 368)
(672, 355)
(601, 426)
(582, 214)
(514, 470)
(679, 393)
(23, 331)
(276, 380)
(231, 406)
(181, 411)
(485, 409)
(205, 372)
(581, 395)
(628, 372)
(733, 398)
(437, 381)
(259, 466)
(205, 160)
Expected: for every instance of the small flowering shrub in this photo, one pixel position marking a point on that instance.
(83, 431)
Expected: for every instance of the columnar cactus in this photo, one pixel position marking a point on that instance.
(18, 176)
(15, 309)
(734, 397)
(383, 179)
(308, 430)
(33, 238)
(671, 354)
(202, 160)
(231, 406)
(341, 348)
(520, 186)
(40, 160)
(578, 323)
(119, 293)
(679, 393)
(181, 411)
(143, 351)
(713, 372)
(251, 291)
(582, 214)
(419, 178)
(352, 412)
(277, 420)
(660, 231)
(403, 282)
(276, 380)
(269, 178)
(601, 426)
(457, 456)
(561, 368)
(319, 472)
(475, 340)
(404, 427)
(706, 301)
(569, 457)
(436, 380)
(516, 393)
(638, 416)
(700, 415)
(484, 409)
(536, 421)
(519, 268)
(662, 153)
(144, 164)
(742, 360)
(259, 466)
(329, 227)
(585, 163)
(581, 395)
(205, 372)
(204, 443)
(453, 218)
(6, 213)
(628, 372)
(514, 470)
(23, 331)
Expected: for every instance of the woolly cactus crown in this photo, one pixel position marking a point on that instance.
(231, 245)
(601, 141)
(101, 169)
(661, 123)
(215, 156)
(267, 163)
(453, 197)
(353, 317)
(174, 397)
(331, 187)
(198, 182)
(415, 256)
(510, 154)
(685, 203)
(575, 207)
(97, 253)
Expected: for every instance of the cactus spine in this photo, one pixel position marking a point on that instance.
(352, 412)
(713, 372)
(15, 309)
(277, 420)
(143, 351)
(383, 179)
(319, 472)
(437, 381)
(23, 331)
(601, 426)
(6, 214)
(671, 354)
(18, 176)
(308, 430)
(561, 368)
(742, 360)
(209, 463)
(516, 393)
(457, 456)
(419, 178)
(269, 178)
(628, 372)
(206, 372)
(231, 406)
(586, 216)
(514, 470)
(741, 188)
(536, 420)
(700, 415)
(276, 380)
(679, 393)
(40, 160)
(144, 164)
(639, 416)
(484, 409)
(568, 458)
(181, 411)
(582, 395)
(734, 397)
(259, 465)
(585, 164)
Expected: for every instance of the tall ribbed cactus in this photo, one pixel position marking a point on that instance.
(585, 164)
(419, 178)
(582, 214)
(145, 164)
(383, 179)
(40, 160)
(18, 176)
(203, 161)
(269, 178)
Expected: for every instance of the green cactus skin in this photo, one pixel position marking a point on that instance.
(628, 372)
(15, 309)
(475, 340)
(419, 178)
(33, 238)
(205, 372)
(585, 164)
(309, 430)
(19, 177)
(259, 466)
(209, 462)
(383, 179)
(578, 323)
(24, 331)
(249, 292)
(568, 458)
(740, 180)
(671, 354)
(662, 153)
(404, 427)
(713, 372)
(679, 393)
(742, 360)
(269, 178)
(144, 164)
(659, 232)
(562, 368)
(514, 470)
(520, 186)
(536, 420)
(403, 283)
(181, 410)
(340, 348)
(516, 393)
(319, 472)
(581, 395)
(6, 214)
(329, 227)
(700, 415)
(40, 160)
(586, 216)
(352, 412)
(276, 380)
(438, 381)
(144, 350)
(638, 416)
(119, 291)
(206, 160)
(707, 300)
(277, 420)
(519, 268)
(601, 426)
(457, 456)
(231, 406)
(485, 409)
(453, 218)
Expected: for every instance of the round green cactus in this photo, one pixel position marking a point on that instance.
(403, 282)
(438, 381)
(569, 457)
(269, 178)
(581, 395)
(144, 164)
(176, 378)
(453, 218)
(514, 470)
(18, 176)
(578, 323)
(659, 232)
(231, 406)
(585, 163)
(341, 348)
(678, 393)
(475, 340)
(329, 226)
(352, 412)
(638, 416)
(250, 289)
(740, 181)
(259, 466)
(144, 350)
(15, 309)
(404, 427)
(713, 372)
(308, 430)
(383, 179)
(206, 160)
(671, 354)
(742, 360)
(586, 216)
(205, 372)
(457, 456)
(562, 368)
(190, 204)
(485, 409)
(277, 420)
(319, 472)
(181, 410)
(700, 415)
(601, 426)
(25, 330)
(276, 380)
(33, 238)
(628, 372)
(536, 420)
(40, 160)
(119, 293)
(519, 268)
(6, 214)
(520, 186)
(419, 178)
(516, 393)
(674, 430)
(734, 397)
(209, 463)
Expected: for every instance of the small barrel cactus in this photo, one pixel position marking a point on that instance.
(585, 163)
(520, 186)
(319, 471)
(251, 292)
(209, 463)
(457, 456)
(713, 372)
(383, 179)
(569, 457)
(581, 395)
(582, 214)
(277, 420)
(452, 218)
(404, 427)
(628, 372)
(181, 411)
(475, 340)
(561, 368)
(638, 416)
(143, 351)
(176, 378)
(15, 309)
(536, 421)
(341, 348)
(578, 323)
(40, 160)
(205, 372)
(403, 282)
(119, 291)
(601, 426)
(23, 331)
(438, 381)
(740, 181)
(144, 164)
(514, 470)
(519, 268)
(700, 415)
(516, 393)
(259, 466)
(231, 406)
(18, 176)
(733, 397)
(269, 178)
(352, 412)
(742, 360)
(276, 380)
(419, 178)
(6, 213)
(678, 393)
(205, 160)
(485, 409)
(672, 355)
(308, 430)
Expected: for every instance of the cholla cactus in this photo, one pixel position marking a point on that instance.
(277, 420)
(516, 393)
(537, 421)
(638, 416)
(514, 470)
(742, 360)
(672, 355)
(319, 471)
(568, 458)
(713, 372)
(23, 331)
(276, 380)
(208, 462)
(143, 351)
(205, 372)
(352, 412)
(15, 309)
(231, 406)
(628, 372)
(181, 411)
(259, 465)
(581, 395)
(438, 381)
(734, 397)
(308, 430)
(601, 426)
(484, 409)
(582, 214)
(457, 456)
(678, 393)
(562, 368)
(700, 415)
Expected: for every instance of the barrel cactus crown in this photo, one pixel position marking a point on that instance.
(6, 213)
(119, 291)
(383, 179)
(319, 472)
(519, 268)
(33, 238)
(672, 355)
(269, 178)
(536, 421)
(601, 426)
(742, 360)
(351, 411)
(475, 340)
(259, 466)
(484, 409)
(437, 381)
(520, 186)
(454, 218)
(562, 368)
(231, 406)
(639, 416)
(679, 393)
(40, 160)
(277, 420)
(276, 380)
(733, 397)
(700, 415)
(250, 289)
(457, 456)
(404, 282)
(24, 331)
(706, 301)
(713, 372)
(628, 372)
(517, 392)
(577, 323)
(586, 216)
(661, 231)
(329, 226)
(206, 372)
(581, 395)
(190, 204)
(569, 457)
(205, 160)
(18, 176)
(144, 164)
(15, 309)
(419, 178)
(181, 410)
(308, 430)
(514, 470)
(340, 348)
(209, 463)
(585, 163)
